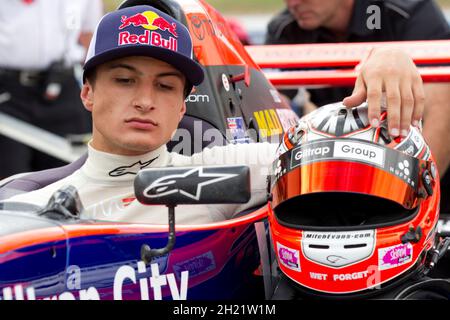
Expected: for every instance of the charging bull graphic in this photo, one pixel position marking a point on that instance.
(149, 20)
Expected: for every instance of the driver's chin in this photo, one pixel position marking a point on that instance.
(137, 149)
(140, 145)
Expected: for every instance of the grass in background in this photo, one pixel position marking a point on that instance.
(228, 6)
(110, 5)
(444, 3)
(245, 6)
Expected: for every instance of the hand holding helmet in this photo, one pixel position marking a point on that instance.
(393, 73)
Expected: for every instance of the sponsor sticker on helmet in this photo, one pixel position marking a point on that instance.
(338, 249)
(405, 171)
(316, 151)
(359, 151)
(394, 256)
(290, 258)
(344, 150)
(413, 144)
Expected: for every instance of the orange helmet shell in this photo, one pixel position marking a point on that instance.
(335, 159)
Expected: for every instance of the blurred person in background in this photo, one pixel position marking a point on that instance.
(333, 21)
(42, 42)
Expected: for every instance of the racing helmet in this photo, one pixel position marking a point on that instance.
(352, 209)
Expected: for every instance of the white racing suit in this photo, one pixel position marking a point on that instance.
(105, 184)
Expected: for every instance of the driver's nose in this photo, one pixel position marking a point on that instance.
(144, 100)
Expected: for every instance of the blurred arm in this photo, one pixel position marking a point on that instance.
(85, 39)
(93, 13)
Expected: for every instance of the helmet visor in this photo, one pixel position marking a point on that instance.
(348, 170)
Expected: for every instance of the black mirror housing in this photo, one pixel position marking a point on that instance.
(173, 186)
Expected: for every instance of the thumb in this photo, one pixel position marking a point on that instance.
(358, 95)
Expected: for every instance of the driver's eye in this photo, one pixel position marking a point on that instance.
(165, 86)
(124, 80)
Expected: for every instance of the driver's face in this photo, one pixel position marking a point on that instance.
(312, 14)
(136, 104)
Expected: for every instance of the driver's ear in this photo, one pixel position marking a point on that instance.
(182, 111)
(87, 96)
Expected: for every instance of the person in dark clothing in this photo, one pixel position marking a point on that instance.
(334, 21)
(315, 21)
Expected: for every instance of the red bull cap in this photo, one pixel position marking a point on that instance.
(144, 31)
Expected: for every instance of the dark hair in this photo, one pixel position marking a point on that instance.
(91, 76)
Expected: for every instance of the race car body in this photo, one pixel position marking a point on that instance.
(42, 258)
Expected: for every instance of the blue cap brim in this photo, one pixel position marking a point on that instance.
(192, 70)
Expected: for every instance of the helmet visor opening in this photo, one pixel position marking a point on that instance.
(340, 210)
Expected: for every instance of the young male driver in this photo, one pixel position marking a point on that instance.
(136, 79)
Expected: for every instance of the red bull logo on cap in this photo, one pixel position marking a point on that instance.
(150, 21)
